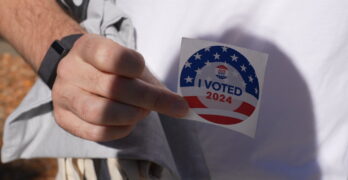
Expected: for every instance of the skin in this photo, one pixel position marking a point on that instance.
(110, 91)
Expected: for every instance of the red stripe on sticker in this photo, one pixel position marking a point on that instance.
(220, 119)
(246, 109)
(194, 102)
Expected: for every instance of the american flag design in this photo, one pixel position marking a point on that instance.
(220, 85)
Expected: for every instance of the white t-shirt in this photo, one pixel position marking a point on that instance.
(302, 128)
(302, 131)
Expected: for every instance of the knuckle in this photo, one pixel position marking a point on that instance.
(75, 103)
(119, 115)
(89, 112)
(97, 113)
(80, 106)
(101, 54)
(59, 95)
(94, 77)
(63, 68)
(60, 119)
(110, 56)
(97, 82)
(117, 85)
(109, 85)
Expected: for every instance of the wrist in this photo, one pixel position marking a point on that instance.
(39, 53)
(31, 26)
(56, 52)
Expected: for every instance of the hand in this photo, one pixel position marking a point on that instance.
(103, 89)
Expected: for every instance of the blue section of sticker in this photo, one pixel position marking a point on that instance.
(220, 54)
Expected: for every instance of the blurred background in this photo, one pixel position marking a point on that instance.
(16, 78)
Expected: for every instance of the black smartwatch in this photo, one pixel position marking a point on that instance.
(56, 52)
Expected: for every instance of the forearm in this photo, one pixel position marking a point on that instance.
(32, 25)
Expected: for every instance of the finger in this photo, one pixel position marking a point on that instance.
(141, 94)
(128, 91)
(108, 56)
(98, 110)
(85, 130)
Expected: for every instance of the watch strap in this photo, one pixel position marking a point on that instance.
(57, 51)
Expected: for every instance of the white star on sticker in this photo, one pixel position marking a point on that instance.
(207, 49)
(198, 71)
(216, 56)
(256, 91)
(187, 64)
(251, 79)
(197, 56)
(224, 49)
(234, 58)
(207, 63)
(188, 79)
(243, 68)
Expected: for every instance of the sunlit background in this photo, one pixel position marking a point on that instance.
(16, 78)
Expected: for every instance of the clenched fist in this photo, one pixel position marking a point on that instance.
(103, 89)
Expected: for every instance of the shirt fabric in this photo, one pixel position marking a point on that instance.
(302, 128)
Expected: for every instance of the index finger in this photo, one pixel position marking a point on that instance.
(138, 93)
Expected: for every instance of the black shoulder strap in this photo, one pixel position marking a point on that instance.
(77, 11)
